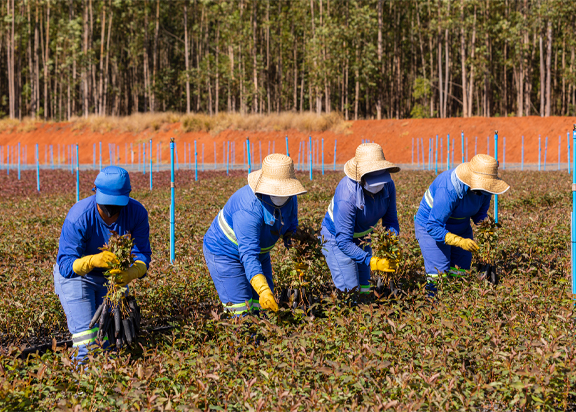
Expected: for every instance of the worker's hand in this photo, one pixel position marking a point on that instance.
(287, 237)
(87, 264)
(136, 271)
(383, 265)
(301, 268)
(466, 244)
(260, 285)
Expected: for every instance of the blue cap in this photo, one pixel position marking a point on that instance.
(374, 178)
(113, 186)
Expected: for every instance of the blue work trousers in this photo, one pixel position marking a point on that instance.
(440, 258)
(229, 277)
(80, 296)
(346, 273)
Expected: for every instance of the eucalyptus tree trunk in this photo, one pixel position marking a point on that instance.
(380, 74)
(186, 61)
(548, 67)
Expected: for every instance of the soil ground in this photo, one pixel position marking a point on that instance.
(395, 136)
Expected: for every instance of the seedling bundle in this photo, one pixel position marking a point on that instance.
(119, 314)
(487, 238)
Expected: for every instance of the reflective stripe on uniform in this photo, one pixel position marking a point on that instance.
(452, 272)
(229, 233)
(356, 234)
(429, 199)
(238, 308)
(84, 338)
(364, 288)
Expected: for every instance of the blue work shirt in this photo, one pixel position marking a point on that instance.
(355, 213)
(256, 223)
(453, 205)
(84, 232)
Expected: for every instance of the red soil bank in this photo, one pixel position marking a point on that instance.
(395, 136)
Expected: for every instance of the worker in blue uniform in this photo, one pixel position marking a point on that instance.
(78, 273)
(364, 196)
(442, 222)
(237, 245)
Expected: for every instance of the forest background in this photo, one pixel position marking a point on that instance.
(366, 59)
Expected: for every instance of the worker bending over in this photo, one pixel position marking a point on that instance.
(442, 222)
(78, 273)
(364, 196)
(238, 243)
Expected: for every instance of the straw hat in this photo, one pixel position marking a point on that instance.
(481, 173)
(276, 178)
(369, 158)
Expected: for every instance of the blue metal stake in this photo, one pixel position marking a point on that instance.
(539, 151)
(448, 153)
(522, 167)
(195, 162)
(568, 143)
(436, 155)
(310, 155)
(172, 203)
(462, 135)
(77, 176)
(38, 168)
(574, 214)
(322, 156)
(545, 152)
(335, 141)
(249, 157)
(287, 151)
(228, 159)
(496, 157)
(150, 164)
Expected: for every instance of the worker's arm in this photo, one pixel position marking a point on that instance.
(483, 212)
(444, 203)
(72, 246)
(344, 222)
(141, 235)
(247, 226)
(390, 218)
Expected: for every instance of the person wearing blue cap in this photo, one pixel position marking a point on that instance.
(237, 245)
(442, 223)
(78, 273)
(364, 196)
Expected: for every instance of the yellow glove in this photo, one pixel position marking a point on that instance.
(455, 240)
(383, 265)
(88, 263)
(260, 285)
(136, 271)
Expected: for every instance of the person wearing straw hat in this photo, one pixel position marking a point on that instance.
(237, 245)
(79, 279)
(364, 196)
(442, 223)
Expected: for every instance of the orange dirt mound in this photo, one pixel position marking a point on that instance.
(395, 136)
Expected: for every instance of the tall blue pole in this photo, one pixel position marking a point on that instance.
(545, 152)
(496, 157)
(539, 151)
(462, 135)
(436, 155)
(18, 160)
(322, 156)
(335, 141)
(228, 159)
(310, 155)
(522, 167)
(150, 154)
(574, 213)
(195, 162)
(172, 202)
(287, 151)
(568, 142)
(249, 157)
(448, 153)
(77, 176)
(37, 168)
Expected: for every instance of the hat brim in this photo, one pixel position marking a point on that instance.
(115, 200)
(356, 173)
(274, 187)
(475, 181)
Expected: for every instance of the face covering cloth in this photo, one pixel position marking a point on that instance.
(110, 210)
(279, 200)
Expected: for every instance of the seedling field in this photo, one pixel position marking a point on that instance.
(477, 346)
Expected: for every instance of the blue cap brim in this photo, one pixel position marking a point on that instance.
(377, 177)
(116, 200)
